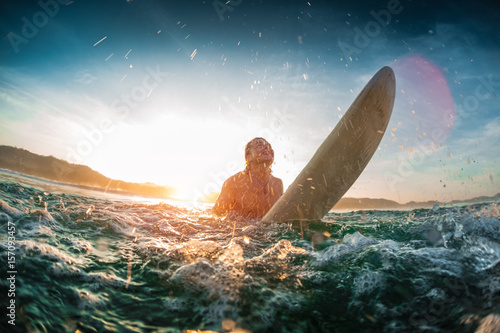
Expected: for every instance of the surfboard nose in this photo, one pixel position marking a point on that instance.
(384, 83)
(386, 75)
(386, 72)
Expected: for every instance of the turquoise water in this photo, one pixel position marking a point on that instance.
(92, 262)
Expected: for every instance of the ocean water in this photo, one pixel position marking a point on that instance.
(93, 262)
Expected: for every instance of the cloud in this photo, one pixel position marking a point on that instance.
(480, 143)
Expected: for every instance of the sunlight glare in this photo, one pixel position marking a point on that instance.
(170, 150)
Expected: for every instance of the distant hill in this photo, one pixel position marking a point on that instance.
(51, 168)
(368, 203)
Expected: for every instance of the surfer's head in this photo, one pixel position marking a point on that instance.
(260, 151)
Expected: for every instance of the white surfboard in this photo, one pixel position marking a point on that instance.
(343, 155)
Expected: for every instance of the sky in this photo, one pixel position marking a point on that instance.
(170, 92)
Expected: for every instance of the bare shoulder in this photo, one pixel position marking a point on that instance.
(277, 184)
(276, 180)
(235, 179)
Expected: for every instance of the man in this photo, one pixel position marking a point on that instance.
(253, 191)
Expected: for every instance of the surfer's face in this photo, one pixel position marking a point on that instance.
(261, 151)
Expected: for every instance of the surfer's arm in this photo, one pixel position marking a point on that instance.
(225, 200)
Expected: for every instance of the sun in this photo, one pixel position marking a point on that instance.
(192, 157)
(184, 193)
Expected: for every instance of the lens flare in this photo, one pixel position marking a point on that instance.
(424, 96)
